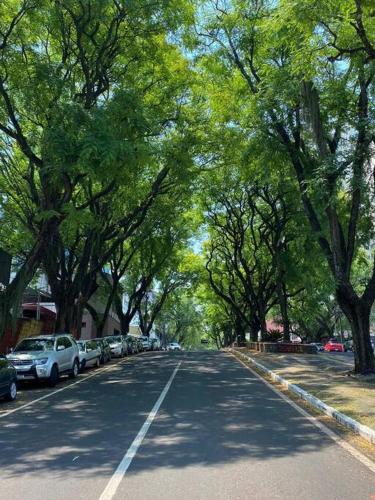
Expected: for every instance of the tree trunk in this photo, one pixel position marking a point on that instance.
(283, 303)
(77, 321)
(11, 297)
(6, 304)
(262, 322)
(358, 315)
(64, 314)
(240, 331)
(254, 329)
(125, 323)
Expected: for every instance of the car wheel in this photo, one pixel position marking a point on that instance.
(12, 392)
(97, 363)
(82, 367)
(54, 376)
(102, 359)
(75, 369)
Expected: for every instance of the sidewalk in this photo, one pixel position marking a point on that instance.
(325, 376)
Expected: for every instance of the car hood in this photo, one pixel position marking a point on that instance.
(27, 355)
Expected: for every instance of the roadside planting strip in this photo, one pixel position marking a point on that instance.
(26, 405)
(331, 434)
(354, 425)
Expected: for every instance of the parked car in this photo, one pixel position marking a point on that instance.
(319, 346)
(155, 344)
(132, 344)
(89, 354)
(45, 357)
(173, 346)
(8, 379)
(348, 345)
(105, 350)
(334, 345)
(145, 343)
(139, 344)
(118, 345)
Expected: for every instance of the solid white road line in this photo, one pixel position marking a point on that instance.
(98, 372)
(123, 466)
(335, 437)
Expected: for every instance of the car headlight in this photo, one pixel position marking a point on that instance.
(41, 361)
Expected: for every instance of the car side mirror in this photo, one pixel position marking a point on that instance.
(89, 349)
(60, 347)
(10, 350)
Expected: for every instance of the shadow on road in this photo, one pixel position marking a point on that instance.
(215, 412)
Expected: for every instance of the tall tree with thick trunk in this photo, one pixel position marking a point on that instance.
(309, 76)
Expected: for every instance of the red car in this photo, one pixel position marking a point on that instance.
(334, 346)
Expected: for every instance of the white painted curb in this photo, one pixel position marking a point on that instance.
(354, 425)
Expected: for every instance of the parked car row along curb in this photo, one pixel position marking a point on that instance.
(46, 357)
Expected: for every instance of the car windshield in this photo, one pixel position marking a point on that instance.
(34, 345)
(114, 339)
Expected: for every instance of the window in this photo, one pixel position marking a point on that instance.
(83, 324)
(60, 342)
(67, 342)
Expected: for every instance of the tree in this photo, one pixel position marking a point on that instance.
(248, 240)
(305, 81)
(84, 108)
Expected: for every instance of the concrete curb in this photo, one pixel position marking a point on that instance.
(354, 425)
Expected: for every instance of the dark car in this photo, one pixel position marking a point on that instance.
(105, 350)
(8, 379)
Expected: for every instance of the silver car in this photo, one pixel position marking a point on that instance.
(89, 354)
(173, 346)
(45, 357)
(118, 345)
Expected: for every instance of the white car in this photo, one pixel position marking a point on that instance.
(145, 343)
(89, 354)
(45, 357)
(118, 345)
(174, 346)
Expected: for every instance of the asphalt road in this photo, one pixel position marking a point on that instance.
(216, 432)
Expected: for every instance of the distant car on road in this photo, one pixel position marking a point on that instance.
(155, 345)
(105, 350)
(173, 346)
(334, 345)
(319, 346)
(8, 379)
(89, 354)
(118, 345)
(45, 357)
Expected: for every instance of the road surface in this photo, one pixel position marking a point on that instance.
(216, 432)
